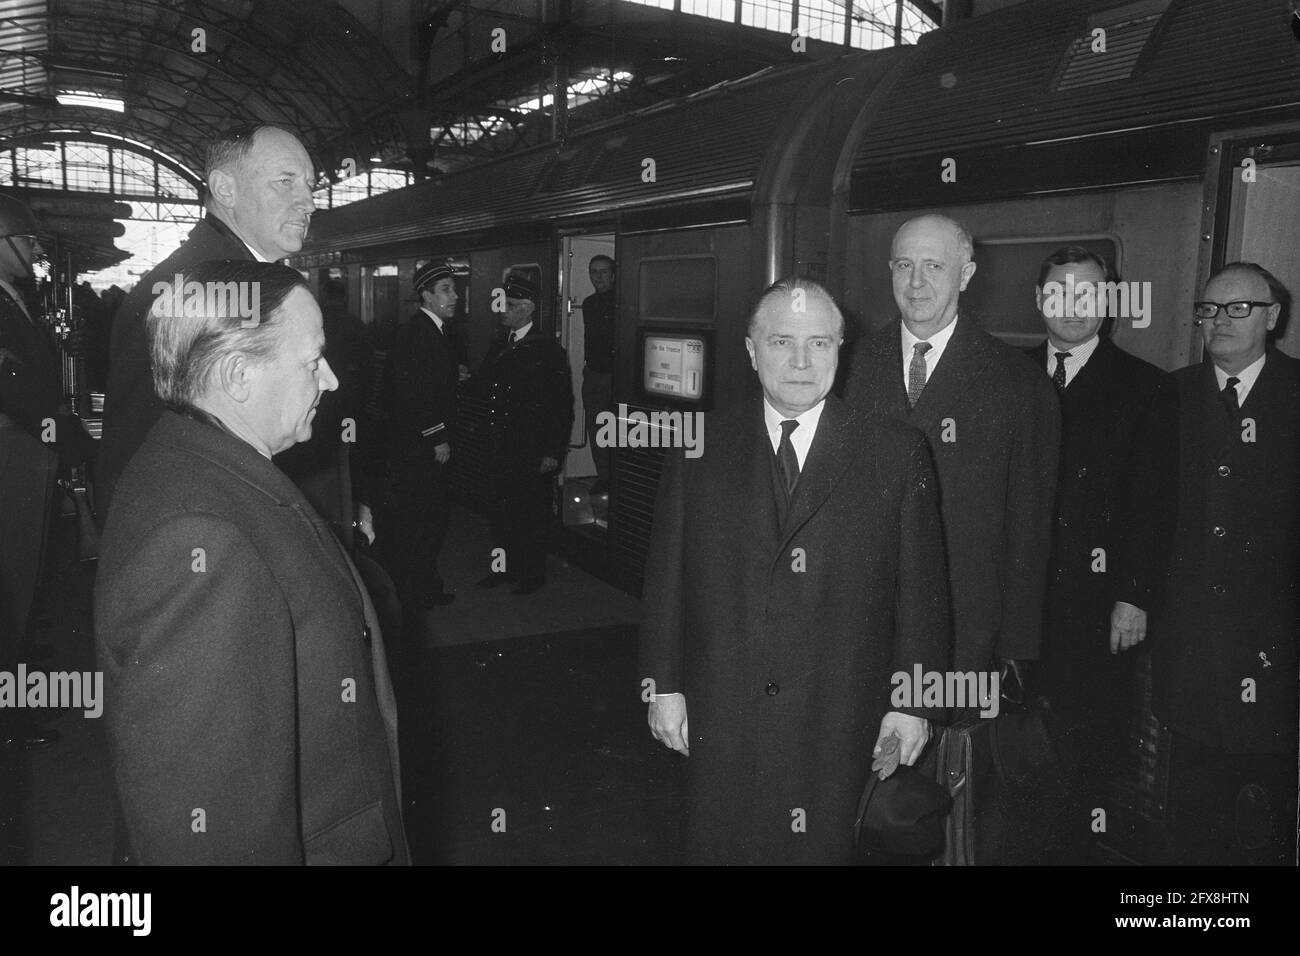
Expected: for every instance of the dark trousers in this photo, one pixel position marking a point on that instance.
(418, 525)
(521, 519)
(1223, 808)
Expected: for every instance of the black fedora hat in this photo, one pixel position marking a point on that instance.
(903, 815)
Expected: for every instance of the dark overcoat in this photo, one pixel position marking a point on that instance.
(130, 404)
(993, 425)
(1119, 461)
(244, 667)
(1231, 609)
(784, 635)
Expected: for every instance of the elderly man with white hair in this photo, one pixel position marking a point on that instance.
(249, 709)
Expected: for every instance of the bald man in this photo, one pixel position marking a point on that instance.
(259, 204)
(993, 425)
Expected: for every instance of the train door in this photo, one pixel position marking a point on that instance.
(1260, 184)
(586, 495)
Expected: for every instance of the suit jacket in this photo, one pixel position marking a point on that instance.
(993, 425)
(1231, 597)
(423, 374)
(244, 666)
(1119, 458)
(530, 401)
(784, 634)
(130, 405)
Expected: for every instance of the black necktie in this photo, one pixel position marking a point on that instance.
(785, 455)
(1230, 402)
(1058, 377)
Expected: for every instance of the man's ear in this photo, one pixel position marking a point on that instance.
(1274, 313)
(222, 187)
(749, 347)
(235, 374)
(967, 271)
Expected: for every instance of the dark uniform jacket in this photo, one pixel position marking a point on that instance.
(993, 424)
(244, 667)
(423, 375)
(530, 401)
(1231, 610)
(130, 405)
(1119, 460)
(784, 624)
(31, 382)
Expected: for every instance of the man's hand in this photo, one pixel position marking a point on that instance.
(914, 732)
(1128, 627)
(668, 722)
(442, 453)
(549, 465)
(365, 521)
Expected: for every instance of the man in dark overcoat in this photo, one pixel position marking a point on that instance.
(794, 567)
(1224, 665)
(526, 379)
(249, 712)
(993, 427)
(1112, 532)
(259, 203)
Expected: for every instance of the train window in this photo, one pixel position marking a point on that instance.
(679, 288)
(1002, 290)
(381, 300)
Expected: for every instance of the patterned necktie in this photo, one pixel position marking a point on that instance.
(785, 455)
(1230, 402)
(916, 373)
(1058, 377)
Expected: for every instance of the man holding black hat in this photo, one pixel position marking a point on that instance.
(423, 375)
(530, 396)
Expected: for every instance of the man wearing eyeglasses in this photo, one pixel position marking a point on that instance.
(1224, 655)
(259, 203)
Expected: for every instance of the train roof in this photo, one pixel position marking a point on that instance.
(1024, 103)
(709, 145)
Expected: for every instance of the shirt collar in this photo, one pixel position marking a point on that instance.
(522, 331)
(807, 421)
(431, 314)
(938, 341)
(1245, 378)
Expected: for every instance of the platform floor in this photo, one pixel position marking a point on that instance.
(517, 709)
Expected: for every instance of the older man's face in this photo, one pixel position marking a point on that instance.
(272, 201)
(1236, 343)
(288, 387)
(929, 272)
(795, 352)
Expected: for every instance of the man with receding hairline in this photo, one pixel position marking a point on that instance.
(793, 568)
(992, 422)
(259, 204)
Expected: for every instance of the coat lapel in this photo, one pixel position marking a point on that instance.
(749, 466)
(961, 364)
(827, 461)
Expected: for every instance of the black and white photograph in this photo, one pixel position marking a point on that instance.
(651, 433)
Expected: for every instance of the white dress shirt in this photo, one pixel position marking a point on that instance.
(522, 331)
(1245, 378)
(436, 321)
(801, 438)
(1076, 357)
(938, 342)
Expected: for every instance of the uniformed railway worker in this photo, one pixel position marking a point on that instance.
(527, 382)
(423, 368)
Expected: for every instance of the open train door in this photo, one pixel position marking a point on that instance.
(1257, 218)
(585, 503)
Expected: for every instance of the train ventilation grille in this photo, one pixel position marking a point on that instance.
(1127, 30)
(634, 508)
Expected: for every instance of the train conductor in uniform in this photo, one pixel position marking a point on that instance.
(1112, 531)
(530, 411)
(249, 710)
(1224, 669)
(259, 203)
(793, 568)
(993, 425)
(424, 374)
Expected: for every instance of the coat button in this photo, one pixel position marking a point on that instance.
(1224, 471)
(1219, 531)
(772, 689)
(365, 634)
(1083, 473)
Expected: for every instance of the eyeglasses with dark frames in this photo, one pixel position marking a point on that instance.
(1207, 311)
